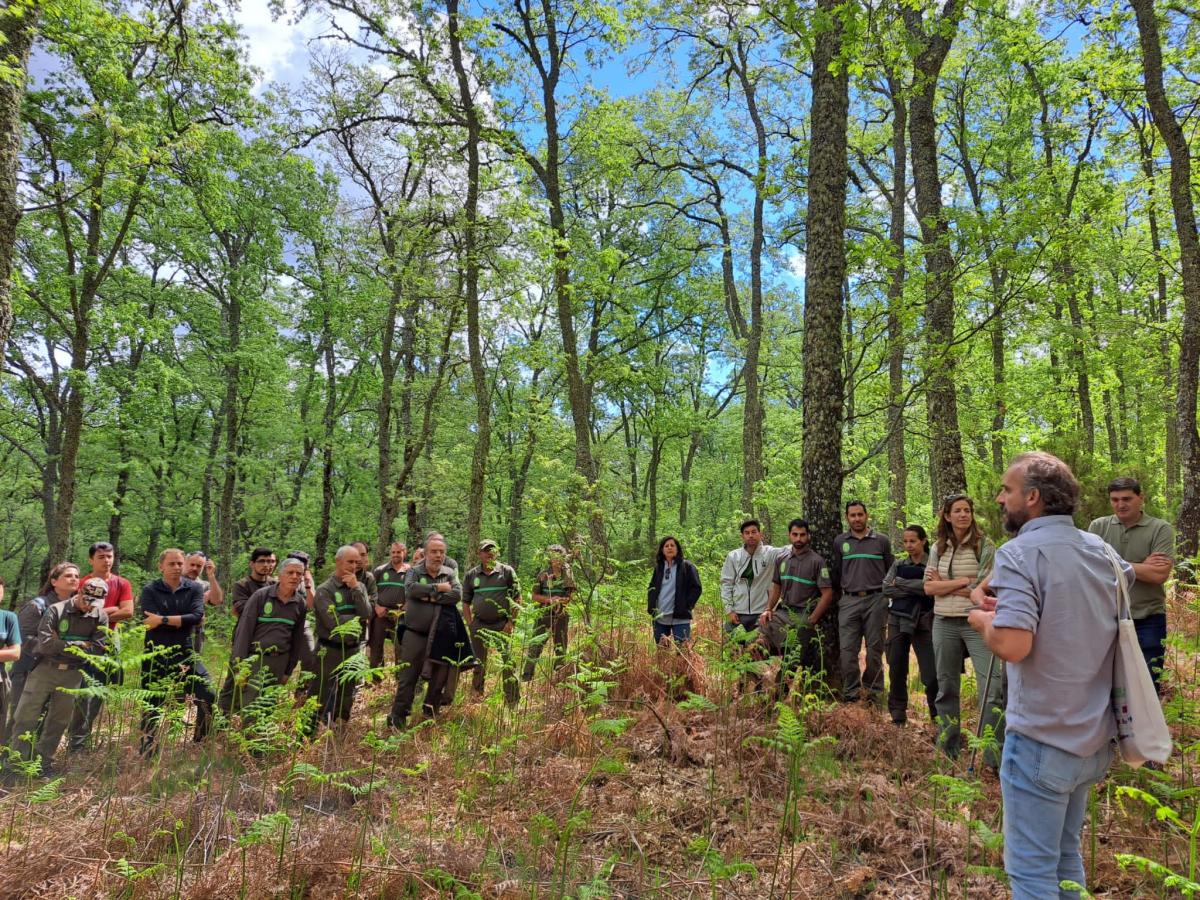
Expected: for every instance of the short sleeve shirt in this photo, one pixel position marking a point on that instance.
(1058, 583)
(1146, 536)
(119, 591)
(800, 577)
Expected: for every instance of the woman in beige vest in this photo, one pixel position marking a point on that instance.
(961, 558)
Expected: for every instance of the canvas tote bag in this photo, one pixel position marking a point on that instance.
(1141, 729)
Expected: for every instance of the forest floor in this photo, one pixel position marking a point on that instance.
(636, 772)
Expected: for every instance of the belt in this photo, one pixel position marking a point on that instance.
(336, 645)
(863, 593)
(62, 667)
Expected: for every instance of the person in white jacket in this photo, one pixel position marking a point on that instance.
(746, 578)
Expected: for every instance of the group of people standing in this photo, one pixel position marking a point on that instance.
(61, 640)
(1043, 604)
(1037, 617)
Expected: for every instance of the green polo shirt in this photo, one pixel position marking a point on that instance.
(1145, 536)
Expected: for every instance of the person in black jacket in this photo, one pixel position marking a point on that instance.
(673, 592)
(910, 624)
(173, 607)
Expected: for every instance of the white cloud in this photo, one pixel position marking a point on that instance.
(797, 263)
(277, 47)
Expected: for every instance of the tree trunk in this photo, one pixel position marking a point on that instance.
(897, 463)
(821, 461)
(1187, 523)
(232, 314)
(685, 473)
(1087, 416)
(16, 39)
(656, 446)
(321, 541)
(483, 400)
(946, 459)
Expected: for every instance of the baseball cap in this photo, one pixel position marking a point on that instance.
(94, 589)
(488, 544)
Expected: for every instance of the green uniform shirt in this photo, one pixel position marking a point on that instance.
(390, 585)
(269, 624)
(862, 562)
(336, 605)
(63, 626)
(800, 577)
(1133, 544)
(491, 594)
(559, 589)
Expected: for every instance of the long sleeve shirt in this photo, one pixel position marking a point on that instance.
(335, 605)
(422, 597)
(65, 626)
(186, 601)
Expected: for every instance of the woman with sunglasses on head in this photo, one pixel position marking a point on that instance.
(961, 558)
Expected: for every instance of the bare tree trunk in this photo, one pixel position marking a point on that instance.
(16, 40)
(946, 459)
(233, 371)
(656, 447)
(483, 400)
(1187, 523)
(897, 463)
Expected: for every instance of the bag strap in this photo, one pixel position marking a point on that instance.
(1122, 587)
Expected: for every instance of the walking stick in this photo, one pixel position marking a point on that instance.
(987, 689)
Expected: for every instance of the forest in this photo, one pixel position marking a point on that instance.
(587, 273)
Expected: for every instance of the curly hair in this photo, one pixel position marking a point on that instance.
(1052, 479)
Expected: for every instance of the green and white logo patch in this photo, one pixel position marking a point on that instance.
(824, 572)
(63, 626)
(846, 547)
(478, 581)
(268, 607)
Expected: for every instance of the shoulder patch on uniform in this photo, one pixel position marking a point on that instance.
(824, 572)
(846, 547)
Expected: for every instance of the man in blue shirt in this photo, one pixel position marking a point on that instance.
(1049, 610)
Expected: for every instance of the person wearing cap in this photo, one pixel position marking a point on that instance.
(429, 585)
(269, 641)
(342, 608)
(389, 604)
(262, 573)
(119, 605)
(555, 589)
(490, 597)
(173, 607)
(70, 630)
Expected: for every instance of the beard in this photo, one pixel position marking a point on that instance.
(1014, 520)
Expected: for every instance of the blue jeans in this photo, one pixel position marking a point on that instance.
(1045, 793)
(681, 631)
(1152, 638)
